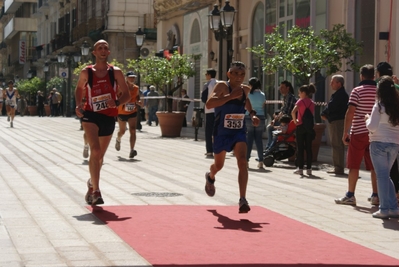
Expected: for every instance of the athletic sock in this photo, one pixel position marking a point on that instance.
(350, 194)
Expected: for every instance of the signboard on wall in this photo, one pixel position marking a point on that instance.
(22, 52)
(63, 72)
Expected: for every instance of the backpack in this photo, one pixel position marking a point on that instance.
(307, 122)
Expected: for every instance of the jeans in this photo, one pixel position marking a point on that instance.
(209, 124)
(383, 156)
(152, 116)
(255, 133)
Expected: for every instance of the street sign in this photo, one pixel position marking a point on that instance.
(63, 72)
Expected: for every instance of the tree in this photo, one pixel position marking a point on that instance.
(29, 88)
(55, 82)
(304, 53)
(166, 74)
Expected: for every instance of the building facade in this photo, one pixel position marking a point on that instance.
(34, 32)
(373, 22)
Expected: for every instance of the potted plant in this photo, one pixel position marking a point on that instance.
(167, 75)
(27, 88)
(304, 53)
(55, 82)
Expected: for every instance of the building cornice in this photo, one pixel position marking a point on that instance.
(166, 9)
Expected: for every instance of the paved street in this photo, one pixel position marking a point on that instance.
(44, 220)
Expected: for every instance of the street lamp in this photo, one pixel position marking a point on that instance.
(140, 37)
(221, 23)
(85, 49)
(61, 57)
(46, 68)
(29, 74)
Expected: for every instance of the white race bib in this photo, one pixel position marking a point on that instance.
(129, 107)
(234, 121)
(100, 102)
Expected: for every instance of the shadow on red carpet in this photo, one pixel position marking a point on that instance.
(199, 236)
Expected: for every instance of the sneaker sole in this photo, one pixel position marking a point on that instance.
(98, 201)
(344, 203)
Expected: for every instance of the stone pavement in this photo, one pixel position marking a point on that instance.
(44, 220)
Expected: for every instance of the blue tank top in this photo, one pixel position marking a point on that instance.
(230, 118)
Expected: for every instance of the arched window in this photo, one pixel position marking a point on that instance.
(195, 33)
(258, 33)
(195, 38)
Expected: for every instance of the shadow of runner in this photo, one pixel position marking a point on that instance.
(101, 216)
(242, 224)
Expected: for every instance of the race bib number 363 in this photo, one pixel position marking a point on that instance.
(234, 121)
(100, 102)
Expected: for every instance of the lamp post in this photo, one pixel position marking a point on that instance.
(45, 70)
(140, 37)
(85, 49)
(221, 23)
(67, 97)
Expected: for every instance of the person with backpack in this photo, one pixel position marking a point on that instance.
(100, 85)
(303, 116)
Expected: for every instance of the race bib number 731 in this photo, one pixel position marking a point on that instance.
(234, 121)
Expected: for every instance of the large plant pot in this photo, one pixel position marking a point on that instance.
(32, 110)
(170, 123)
(47, 110)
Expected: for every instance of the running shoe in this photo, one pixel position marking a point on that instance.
(86, 151)
(11, 125)
(209, 187)
(309, 172)
(118, 145)
(88, 197)
(243, 206)
(346, 200)
(374, 200)
(132, 154)
(8, 118)
(260, 165)
(96, 198)
(380, 215)
(298, 171)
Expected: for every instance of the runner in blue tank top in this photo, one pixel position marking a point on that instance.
(230, 100)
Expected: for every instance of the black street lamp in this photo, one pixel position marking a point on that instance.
(61, 57)
(85, 49)
(46, 68)
(140, 37)
(221, 23)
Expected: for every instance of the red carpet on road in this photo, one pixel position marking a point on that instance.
(220, 236)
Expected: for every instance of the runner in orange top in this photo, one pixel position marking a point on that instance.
(127, 113)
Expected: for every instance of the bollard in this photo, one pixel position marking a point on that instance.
(196, 120)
